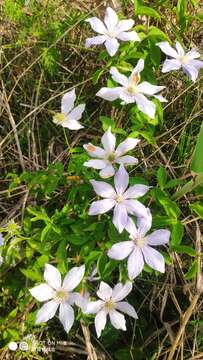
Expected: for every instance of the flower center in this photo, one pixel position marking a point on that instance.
(109, 305)
(135, 79)
(59, 117)
(111, 157)
(184, 59)
(140, 241)
(61, 295)
(119, 198)
(111, 34)
(131, 89)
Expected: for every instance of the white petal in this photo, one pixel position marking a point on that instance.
(138, 68)
(72, 124)
(149, 89)
(127, 97)
(77, 299)
(108, 141)
(135, 263)
(124, 25)
(94, 306)
(100, 321)
(131, 228)
(145, 105)
(73, 277)
(103, 189)
(97, 25)
(126, 146)
(180, 49)
(167, 49)
(198, 64)
(144, 223)
(120, 217)
(127, 160)
(94, 151)
(67, 102)
(135, 207)
(95, 164)
(118, 77)
(161, 98)
(136, 191)
(170, 65)
(153, 258)
(105, 291)
(76, 113)
(109, 94)
(110, 19)
(193, 54)
(191, 71)
(112, 46)
(120, 291)
(158, 237)
(126, 308)
(121, 250)
(128, 36)
(52, 276)
(121, 180)
(66, 316)
(117, 320)
(42, 292)
(46, 312)
(107, 172)
(96, 40)
(101, 206)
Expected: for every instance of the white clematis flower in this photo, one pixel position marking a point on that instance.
(111, 31)
(111, 304)
(123, 200)
(180, 59)
(108, 156)
(139, 250)
(133, 92)
(59, 295)
(69, 115)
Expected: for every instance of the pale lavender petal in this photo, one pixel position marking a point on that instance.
(131, 228)
(167, 49)
(138, 68)
(120, 217)
(149, 89)
(136, 191)
(42, 292)
(96, 40)
(121, 180)
(100, 321)
(105, 291)
(127, 160)
(67, 102)
(160, 98)
(193, 54)
(72, 124)
(125, 146)
(145, 105)
(110, 19)
(121, 250)
(179, 49)
(76, 113)
(135, 263)
(94, 151)
(126, 308)
(198, 64)
(76, 298)
(95, 164)
(191, 71)
(153, 258)
(135, 207)
(103, 189)
(158, 237)
(108, 141)
(46, 312)
(73, 277)
(170, 65)
(112, 46)
(97, 25)
(120, 291)
(144, 223)
(66, 316)
(52, 276)
(101, 206)
(124, 25)
(128, 36)
(117, 320)
(127, 97)
(109, 94)
(107, 172)
(94, 306)
(118, 77)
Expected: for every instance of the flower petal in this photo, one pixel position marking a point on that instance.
(179, 49)
(198, 64)
(95, 164)
(77, 299)
(121, 180)
(72, 125)
(76, 113)
(67, 102)
(101, 206)
(120, 217)
(135, 207)
(170, 65)
(95, 40)
(103, 189)
(118, 77)
(97, 25)
(136, 191)
(153, 258)
(126, 308)
(109, 94)
(145, 105)
(105, 291)
(127, 160)
(148, 89)
(120, 291)
(137, 69)
(66, 316)
(158, 237)
(193, 54)
(126, 145)
(160, 98)
(46, 312)
(108, 141)
(112, 46)
(94, 151)
(167, 49)
(121, 250)
(52, 276)
(107, 172)
(131, 228)
(128, 36)
(117, 320)
(73, 277)
(144, 223)
(191, 71)
(42, 292)
(100, 321)
(94, 306)
(124, 25)
(110, 19)
(135, 263)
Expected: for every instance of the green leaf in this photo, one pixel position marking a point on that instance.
(181, 13)
(197, 159)
(170, 207)
(184, 249)
(145, 10)
(157, 33)
(177, 233)
(107, 122)
(162, 176)
(98, 73)
(191, 273)
(31, 274)
(197, 207)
